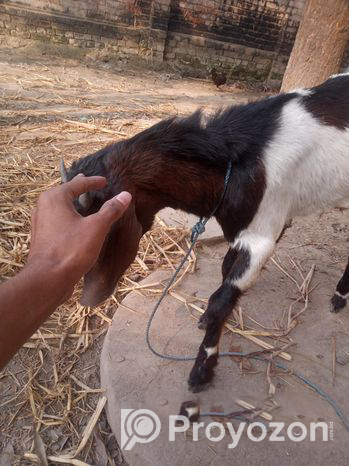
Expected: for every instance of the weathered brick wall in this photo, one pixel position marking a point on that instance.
(128, 35)
(116, 11)
(250, 39)
(253, 23)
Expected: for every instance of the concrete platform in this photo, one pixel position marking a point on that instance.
(136, 379)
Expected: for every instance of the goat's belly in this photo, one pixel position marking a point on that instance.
(321, 183)
(318, 205)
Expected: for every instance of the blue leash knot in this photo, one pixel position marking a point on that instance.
(198, 229)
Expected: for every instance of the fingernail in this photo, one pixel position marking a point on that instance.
(124, 197)
(79, 174)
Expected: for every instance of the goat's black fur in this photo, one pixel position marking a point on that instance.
(227, 135)
(329, 102)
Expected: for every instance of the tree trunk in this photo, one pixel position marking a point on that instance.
(320, 44)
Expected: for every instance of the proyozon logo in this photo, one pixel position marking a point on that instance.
(138, 426)
(143, 426)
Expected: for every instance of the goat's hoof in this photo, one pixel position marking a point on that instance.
(201, 375)
(191, 410)
(195, 387)
(197, 379)
(337, 303)
(202, 324)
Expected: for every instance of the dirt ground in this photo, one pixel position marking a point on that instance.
(52, 106)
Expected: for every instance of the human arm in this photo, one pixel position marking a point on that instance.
(64, 246)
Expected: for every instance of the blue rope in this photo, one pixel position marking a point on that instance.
(197, 230)
(240, 417)
(306, 381)
(320, 392)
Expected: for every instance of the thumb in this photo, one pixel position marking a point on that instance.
(114, 208)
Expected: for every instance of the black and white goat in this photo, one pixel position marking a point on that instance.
(290, 156)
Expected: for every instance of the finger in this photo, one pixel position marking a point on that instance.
(113, 209)
(82, 184)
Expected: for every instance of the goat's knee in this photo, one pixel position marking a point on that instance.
(256, 249)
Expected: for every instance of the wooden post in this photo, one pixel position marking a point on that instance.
(320, 44)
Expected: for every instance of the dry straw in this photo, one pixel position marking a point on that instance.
(46, 381)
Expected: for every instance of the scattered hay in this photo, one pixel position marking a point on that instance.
(54, 379)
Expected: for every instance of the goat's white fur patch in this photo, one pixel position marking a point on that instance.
(211, 350)
(307, 171)
(192, 411)
(344, 296)
(303, 92)
(345, 73)
(260, 249)
(307, 164)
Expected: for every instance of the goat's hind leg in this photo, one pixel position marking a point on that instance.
(339, 299)
(241, 267)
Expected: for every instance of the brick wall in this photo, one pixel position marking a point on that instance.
(115, 11)
(250, 39)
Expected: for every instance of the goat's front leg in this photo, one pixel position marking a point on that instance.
(241, 267)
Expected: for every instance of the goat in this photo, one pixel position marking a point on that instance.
(289, 155)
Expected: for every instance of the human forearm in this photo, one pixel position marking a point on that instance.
(64, 246)
(27, 300)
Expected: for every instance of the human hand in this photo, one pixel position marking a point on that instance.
(62, 239)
